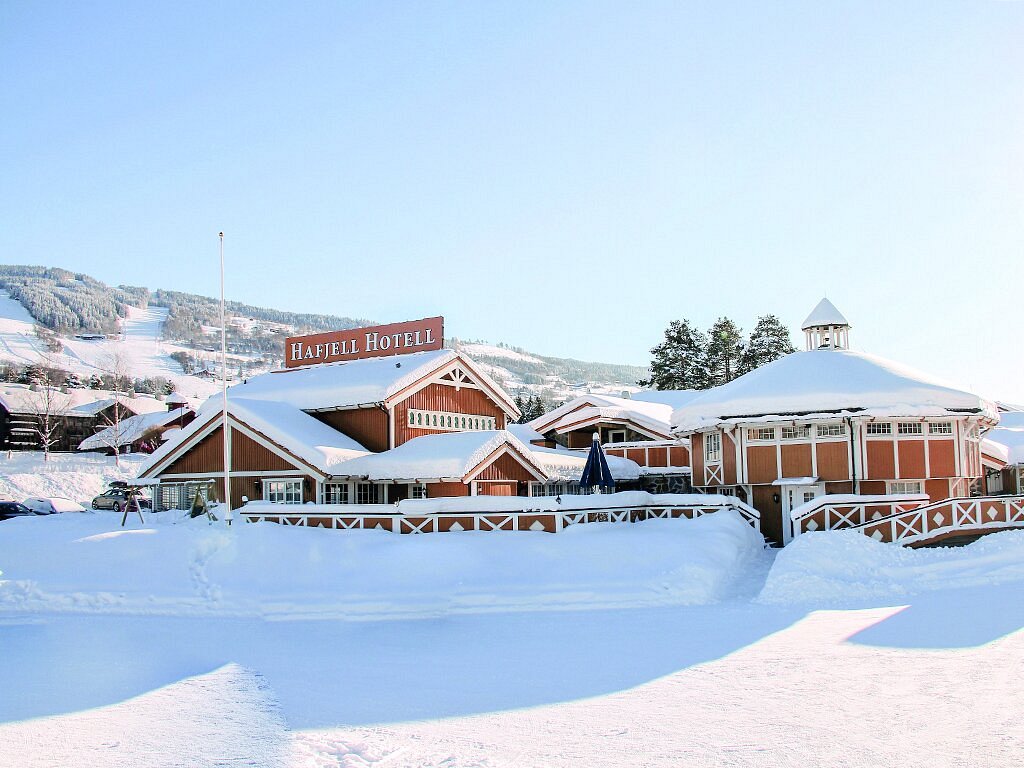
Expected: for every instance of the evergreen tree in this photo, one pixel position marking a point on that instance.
(73, 381)
(95, 382)
(769, 341)
(680, 361)
(724, 351)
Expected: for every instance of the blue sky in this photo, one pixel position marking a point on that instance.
(566, 177)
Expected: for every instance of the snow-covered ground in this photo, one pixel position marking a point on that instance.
(140, 346)
(666, 643)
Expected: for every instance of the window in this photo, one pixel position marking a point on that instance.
(555, 489)
(761, 433)
(910, 428)
(941, 428)
(417, 491)
(282, 491)
(795, 433)
(616, 435)
(449, 421)
(336, 493)
(366, 493)
(879, 428)
(713, 446)
(831, 430)
(809, 496)
(905, 486)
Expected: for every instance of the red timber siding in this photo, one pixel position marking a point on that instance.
(497, 489)
(881, 460)
(438, 490)
(796, 460)
(833, 461)
(440, 397)
(941, 458)
(771, 511)
(846, 487)
(253, 488)
(679, 456)
(761, 464)
(728, 459)
(636, 454)
(697, 453)
(937, 490)
(579, 438)
(657, 457)
(505, 467)
(873, 487)
(911, 454)
(208, 456)
(367, 426)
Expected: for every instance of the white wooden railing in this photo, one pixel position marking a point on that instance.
(946, 518)
(827, 513)
(386, 517)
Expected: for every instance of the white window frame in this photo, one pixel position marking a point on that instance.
(909, 428)
(761, 434)
(616, 435)
(940, 428)
(878, 429)
(417, 490)
(899, 487)
(289, 493)
(713, 447)
(362, 489)
(831, 430)
(795, 433)
(345, 492)
(449, 421)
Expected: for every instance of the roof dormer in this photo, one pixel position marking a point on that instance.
(826, 328)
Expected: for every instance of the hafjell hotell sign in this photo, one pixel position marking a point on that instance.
(358, 343)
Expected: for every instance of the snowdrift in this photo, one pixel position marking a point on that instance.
(846, 566)
(24, 474)
(87, 563)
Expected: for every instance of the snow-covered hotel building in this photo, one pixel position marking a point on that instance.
(832, 421)
(365, 431)
(637, 428)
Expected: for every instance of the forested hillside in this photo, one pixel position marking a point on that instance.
(69, 303)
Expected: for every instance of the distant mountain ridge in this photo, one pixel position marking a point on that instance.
(73, 303)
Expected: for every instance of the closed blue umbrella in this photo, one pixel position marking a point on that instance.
(596, 472)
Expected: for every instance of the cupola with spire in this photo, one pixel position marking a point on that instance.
(826, 328)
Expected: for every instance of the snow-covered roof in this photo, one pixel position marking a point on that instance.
(20, 398)
(996, 450)
(319, 445)
(826, 383)
(131, 429)
(676, 398)
(525, 432)
(586, 410)
(453, 455)
(1010, 435)
(356, 382)
(823, 315)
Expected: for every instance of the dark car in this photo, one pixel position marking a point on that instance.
(11, 509)
(116, 499)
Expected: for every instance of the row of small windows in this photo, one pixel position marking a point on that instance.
(796, 433)
(450, 421)
(910, 428)
(838, 430)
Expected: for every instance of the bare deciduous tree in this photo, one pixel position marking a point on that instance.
(49, 406)
(114, 433)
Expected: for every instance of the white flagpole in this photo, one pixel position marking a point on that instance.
(224, 390)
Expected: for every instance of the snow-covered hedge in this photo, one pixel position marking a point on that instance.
(87, 563)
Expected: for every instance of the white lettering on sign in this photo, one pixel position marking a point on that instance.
(394, 339)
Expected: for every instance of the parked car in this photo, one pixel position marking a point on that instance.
(52, 505)
(116, 498)
(11, 509)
